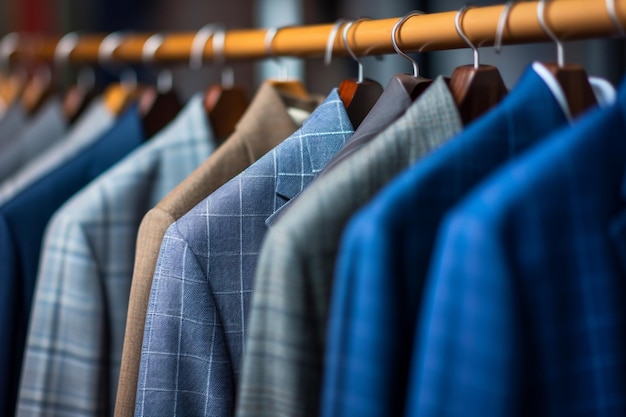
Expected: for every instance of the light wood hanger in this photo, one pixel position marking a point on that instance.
(476, 88)
(572, 78)
(360, 95)
(414, 84)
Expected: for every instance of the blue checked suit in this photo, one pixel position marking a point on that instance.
(83, 285)
(387, 247)
(197, 313)
(524, 305)
(22, 223)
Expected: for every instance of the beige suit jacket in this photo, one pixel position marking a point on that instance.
(264, 125)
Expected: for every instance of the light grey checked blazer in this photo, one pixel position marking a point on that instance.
(283, 360)
(74, 344)
(197, 313)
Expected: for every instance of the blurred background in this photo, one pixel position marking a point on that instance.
(604, 57)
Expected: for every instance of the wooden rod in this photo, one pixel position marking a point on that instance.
(569, 19)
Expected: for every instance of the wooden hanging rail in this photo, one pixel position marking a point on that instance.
(569, 19)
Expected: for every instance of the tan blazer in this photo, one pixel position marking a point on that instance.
(264, 125)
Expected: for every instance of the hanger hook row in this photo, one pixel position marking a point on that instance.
(541, 16)
(346, 44)
(504, 17)
(611, 8)
(394, 39)
(199, 42)
(459, 30)
(330, 42)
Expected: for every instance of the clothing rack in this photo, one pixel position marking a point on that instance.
(568, 19)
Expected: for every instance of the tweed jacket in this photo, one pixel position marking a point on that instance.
(524, 304)
(387, 246)
(264, 125)
(196, 321)
(283, 361)
(82, 294)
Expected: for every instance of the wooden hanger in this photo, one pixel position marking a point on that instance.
(475, 88)
(78, 96)
(413, 84)
(572, 78)
(360, 95)
(38, 88)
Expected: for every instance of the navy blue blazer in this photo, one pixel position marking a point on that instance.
(387, 247)
(525, 309)
(23, 220)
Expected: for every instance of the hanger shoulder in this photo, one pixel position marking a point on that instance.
(157, 109)
(414, 86)
(225, 106)
(359, 98)
(574, 82)
(75, 101)
(476, 90)
(292, 87)
(117, 97)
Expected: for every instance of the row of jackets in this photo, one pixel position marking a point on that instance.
(413, 266)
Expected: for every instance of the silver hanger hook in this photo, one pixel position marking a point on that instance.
(330, 42)
(541, 16)
(64, 48)
(346, 44)
(610, 7)
(219, 42)
(198, 44)
(8, 45)
(148, 52)
(270, 34)
(394, 39)
(107, 47)
(504, 17)
(459, 30)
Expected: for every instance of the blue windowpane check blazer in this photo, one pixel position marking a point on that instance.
(22, 223)
(197, 313)
(386, 251)
(525, 303)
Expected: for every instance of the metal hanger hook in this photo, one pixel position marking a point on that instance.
(611, 9)
(64, 48)
(346, 44)
(165, 79)
(459, 30)
(394, 39)
(8, 45)
(541, 16)
(270, 34)
(330, 42)
(107, 47)
(198, 44)
(219, 42)
(504, 17)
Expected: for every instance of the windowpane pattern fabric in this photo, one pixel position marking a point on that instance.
(77, 329)
(287, 333)
(524, 309)
(387, 247)
(22, 223)
(196, 320)
(264, 125)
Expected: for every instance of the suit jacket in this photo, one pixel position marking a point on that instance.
(40, 134)
(196, 320)
(22, 223)
(524, 308)
(14, 119)
(387, 246)
(82, 295)
(92, 124)
(284, 356)
(264, 125)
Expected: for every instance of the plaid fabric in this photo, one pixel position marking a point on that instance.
(386, 250)
(22, 223)
(287, 333)
(524, 310)
(75, 340)
(264, 125)
(41, 133)
(196, 321)
(96, 120)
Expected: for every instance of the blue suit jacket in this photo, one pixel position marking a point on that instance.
(525, 304)
(22, 223)
(387, 246)
(197, 314)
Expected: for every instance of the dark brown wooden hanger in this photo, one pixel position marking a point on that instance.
(38, 88)
(78, 96)
(475, 88)
(225, 106)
